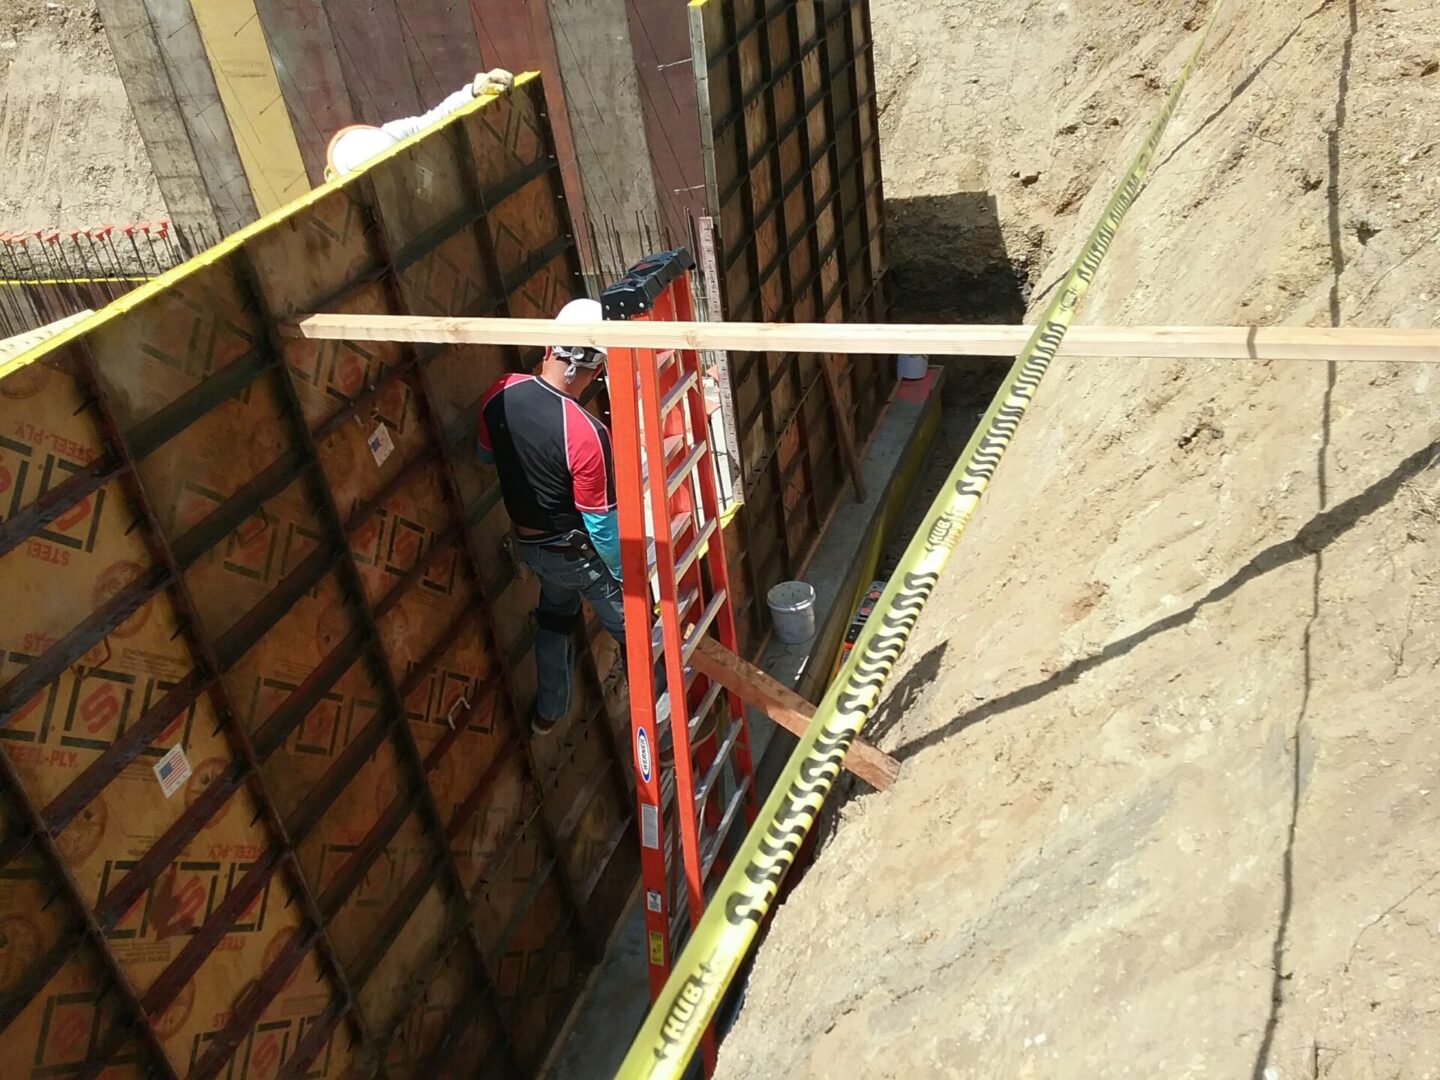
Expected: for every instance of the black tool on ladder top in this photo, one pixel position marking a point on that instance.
(636, 292)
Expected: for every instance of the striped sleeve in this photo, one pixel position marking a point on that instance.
(592, 466)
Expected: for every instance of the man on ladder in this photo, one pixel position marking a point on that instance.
(557, 477)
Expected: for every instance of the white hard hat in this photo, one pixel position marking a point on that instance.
(580, 311)
(351, 147)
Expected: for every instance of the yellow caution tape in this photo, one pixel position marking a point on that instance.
(680, 1015)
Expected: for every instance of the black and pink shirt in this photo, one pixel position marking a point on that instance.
(553, 457)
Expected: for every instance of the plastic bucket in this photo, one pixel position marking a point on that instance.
(912, 367)
(792, 610)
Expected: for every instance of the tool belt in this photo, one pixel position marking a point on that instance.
(575, 544)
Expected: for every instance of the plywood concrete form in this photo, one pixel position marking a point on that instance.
(788, 103)
(161, 57)
(249, 88)
(340, 63)
(371, 865)
(519, 35)
(307, 64)
(665, 75)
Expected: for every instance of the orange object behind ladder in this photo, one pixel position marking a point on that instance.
(665, 470)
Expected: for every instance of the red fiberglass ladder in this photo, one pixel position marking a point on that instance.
(665, 468)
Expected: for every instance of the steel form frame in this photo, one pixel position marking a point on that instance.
(840, 42)
(212, 658)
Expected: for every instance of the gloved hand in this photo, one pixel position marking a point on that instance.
(495, 81)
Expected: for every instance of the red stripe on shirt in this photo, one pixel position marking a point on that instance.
(588, 458)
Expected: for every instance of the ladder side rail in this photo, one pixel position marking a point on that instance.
(671, 638)
(678, 423)
(635, 584)
(719, 570)
(681, 421)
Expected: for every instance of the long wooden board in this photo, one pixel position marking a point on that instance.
(1175, 342)
(788, 709)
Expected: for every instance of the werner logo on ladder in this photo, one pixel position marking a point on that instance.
(693, 774)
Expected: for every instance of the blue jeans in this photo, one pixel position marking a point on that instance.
(564, 579)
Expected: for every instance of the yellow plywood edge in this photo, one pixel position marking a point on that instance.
(250, 92)
(235, 241)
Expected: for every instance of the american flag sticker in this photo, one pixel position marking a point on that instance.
(380, 443)
(173, 770)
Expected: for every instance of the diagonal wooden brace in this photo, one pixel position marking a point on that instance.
(787, 708)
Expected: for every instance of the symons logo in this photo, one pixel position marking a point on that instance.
(642, 754)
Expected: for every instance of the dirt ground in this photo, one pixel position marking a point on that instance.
(1170, 803)
(70, 153)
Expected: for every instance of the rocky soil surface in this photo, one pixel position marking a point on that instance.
(1170, 803)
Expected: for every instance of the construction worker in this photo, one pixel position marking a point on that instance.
(557, 477)
(352, 146)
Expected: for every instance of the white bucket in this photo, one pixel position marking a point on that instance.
(912, 367)
(792, 610)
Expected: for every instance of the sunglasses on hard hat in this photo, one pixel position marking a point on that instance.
(580, 355)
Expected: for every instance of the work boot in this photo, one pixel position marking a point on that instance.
(538, 724)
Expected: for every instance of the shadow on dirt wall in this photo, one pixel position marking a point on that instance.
(949, 264)
(948, 260)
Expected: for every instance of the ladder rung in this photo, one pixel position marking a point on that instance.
(675, 393)
(681, 471)
(711, 848)
(671, 444)
(693, 551)
(664, 357)
(682, 608)
(712, 609)
(713, 773)
(706, 704)
(678, 524)
(691, 674)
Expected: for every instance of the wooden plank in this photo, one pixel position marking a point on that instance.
(519, 36)
(594, 58)
(660, 42)
(381, 80)
(1347, 343)
(787, 708)
(443, 48)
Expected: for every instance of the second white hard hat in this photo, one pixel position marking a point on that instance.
(352, 146)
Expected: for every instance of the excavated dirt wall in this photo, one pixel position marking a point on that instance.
(1169, 800)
